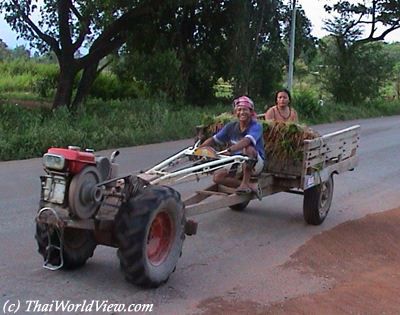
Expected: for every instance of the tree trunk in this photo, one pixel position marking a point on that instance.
(64, 91)
(86, 82)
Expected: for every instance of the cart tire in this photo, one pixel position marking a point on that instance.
(150, 232)
(317, 202)
(240, 206)
(78, 246)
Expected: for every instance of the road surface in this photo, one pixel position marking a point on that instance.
(241, 263)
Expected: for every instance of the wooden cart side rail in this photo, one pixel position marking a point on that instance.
(331, 153)
(331, 147)
(342, 166)
(338, 152)
(318, 176)
(338, 146)
(331, 137)
(326, 141)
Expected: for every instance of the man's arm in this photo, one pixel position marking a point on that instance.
(221, 137)
(209, 142)
(240, 145)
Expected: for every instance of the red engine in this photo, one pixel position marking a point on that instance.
(72, 180)
(72, 159)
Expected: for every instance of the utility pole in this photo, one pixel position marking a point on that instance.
(291, 47)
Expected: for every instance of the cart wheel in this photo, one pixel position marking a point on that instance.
(78, 246)
(150, 232)
(317, 202)
(240, 206)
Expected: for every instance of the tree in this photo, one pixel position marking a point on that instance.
(159, 70)
(305, 43)
(179, 53)
(305, 50)
(255, 51)
(353, 74)
(377, 17)
(237, 40)
(392, 51)
(4, 51)
(66, 26)
(21, 52)
(354, 68)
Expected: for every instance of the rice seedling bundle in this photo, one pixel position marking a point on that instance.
(213, 124)
(284, 140)
(210, 125)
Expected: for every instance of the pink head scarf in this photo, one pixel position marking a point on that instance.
(245, 102)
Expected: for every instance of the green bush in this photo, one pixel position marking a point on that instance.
(17, 66)
(107, 87)
(46, 80)
(307, 104)
(382, 107)
(21, 82)
(161, 72)
(24, 75)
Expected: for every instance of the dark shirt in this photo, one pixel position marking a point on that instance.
(230, 134)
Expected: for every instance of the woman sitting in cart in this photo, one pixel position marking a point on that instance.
(243, 136)
(282, 111)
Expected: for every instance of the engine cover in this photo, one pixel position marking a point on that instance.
(77, 159)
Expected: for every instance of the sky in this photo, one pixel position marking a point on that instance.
(314, 10)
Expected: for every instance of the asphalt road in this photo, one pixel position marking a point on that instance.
(234, 256)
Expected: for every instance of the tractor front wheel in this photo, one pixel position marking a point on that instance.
(240, 206)
(150, 232)
(78, 246)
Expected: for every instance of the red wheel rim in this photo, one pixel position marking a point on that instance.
(160, 238)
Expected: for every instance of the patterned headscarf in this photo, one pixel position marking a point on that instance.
(245, 102)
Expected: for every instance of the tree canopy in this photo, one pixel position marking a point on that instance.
(66, 26)
(377, 18)
(355, 65)
(181, 48)
(196, 42)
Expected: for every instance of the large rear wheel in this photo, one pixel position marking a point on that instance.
(150, 232)
(317, 202)
(78, 246)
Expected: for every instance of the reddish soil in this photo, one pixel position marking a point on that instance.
(362, 258)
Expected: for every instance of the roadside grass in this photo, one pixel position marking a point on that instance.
(332, 112)
(312, 111)
(21, 83)
(28, 127)
(29, 132)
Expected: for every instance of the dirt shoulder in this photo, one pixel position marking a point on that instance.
(361, 257)
(27, 103)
